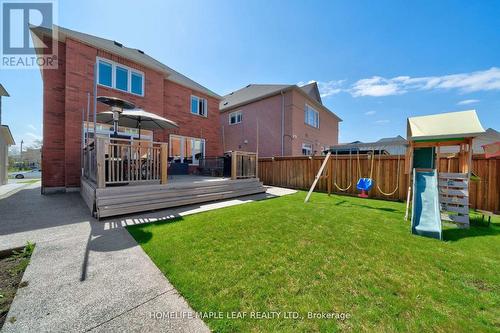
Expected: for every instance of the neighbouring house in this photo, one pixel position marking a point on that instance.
(6, 140)
(489, 136)
(32, 157)
(386, 146)
(290, 120)
(126, 73)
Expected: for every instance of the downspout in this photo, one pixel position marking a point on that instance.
(282, 123)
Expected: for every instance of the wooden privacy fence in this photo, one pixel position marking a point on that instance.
(299, 171)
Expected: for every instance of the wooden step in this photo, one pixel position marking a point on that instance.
(140, 198)
(453, 200)
(455, 209)
(453, 192)
(113, 210)
(173, 193)
(453, 183)
(452, 175)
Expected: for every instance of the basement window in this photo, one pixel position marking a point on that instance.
(306, 149)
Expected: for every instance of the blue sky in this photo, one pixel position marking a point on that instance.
(376, 62)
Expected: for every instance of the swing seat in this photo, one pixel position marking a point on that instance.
(364, 184)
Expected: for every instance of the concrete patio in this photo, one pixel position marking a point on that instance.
(87, 275)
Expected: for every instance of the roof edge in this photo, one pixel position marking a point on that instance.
(274, 93)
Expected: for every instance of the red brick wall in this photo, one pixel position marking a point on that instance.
(65, 95)
(53, 160)
(177, 107)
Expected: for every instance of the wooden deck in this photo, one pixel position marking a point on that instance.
(179, 191)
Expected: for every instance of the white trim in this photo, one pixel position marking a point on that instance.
(198, 106)
(236, 113)
(130, 70)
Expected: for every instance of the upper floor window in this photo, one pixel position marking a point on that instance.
(311, 116)
(199, 106)
(121, 77)
(136, 83)
(306, 149)
(235, 117)
(105, 73)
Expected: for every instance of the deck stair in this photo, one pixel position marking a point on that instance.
(120, 200)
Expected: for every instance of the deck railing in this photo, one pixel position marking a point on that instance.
(243, 165)
(113, 161)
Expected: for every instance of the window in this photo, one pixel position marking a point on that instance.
(306, 149)
(198, 106)
(311, 116)
(186, 150)
(235, 117)
(105, 73)
(136, 83)
(121, 77)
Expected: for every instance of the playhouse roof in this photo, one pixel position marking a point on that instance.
(449, 125)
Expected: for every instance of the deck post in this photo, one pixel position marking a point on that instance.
(234, 163)
(164, 163)
(101, 160)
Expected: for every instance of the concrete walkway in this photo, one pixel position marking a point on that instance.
(87, 275)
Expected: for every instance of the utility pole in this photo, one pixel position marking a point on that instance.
(21, 153)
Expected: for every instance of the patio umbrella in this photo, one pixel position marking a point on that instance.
(117, 106)
(138, 118)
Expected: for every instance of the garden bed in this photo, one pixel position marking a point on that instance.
(13, 263)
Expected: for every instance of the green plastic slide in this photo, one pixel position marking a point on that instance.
(426, 216)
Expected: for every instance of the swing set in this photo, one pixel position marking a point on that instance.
(363, 184)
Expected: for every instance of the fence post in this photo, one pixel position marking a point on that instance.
(101, 160)
(163, 163)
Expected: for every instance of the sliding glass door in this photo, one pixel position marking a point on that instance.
(186, 149)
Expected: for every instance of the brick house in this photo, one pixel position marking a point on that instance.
(292, 120)
(125, 73)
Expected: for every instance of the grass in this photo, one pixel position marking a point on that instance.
(29, 181)
(334, 254)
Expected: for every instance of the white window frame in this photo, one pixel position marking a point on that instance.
(205, 114)
(236, 114)
(307, 146)
(183, 140)
(308, 109)
(130, 70)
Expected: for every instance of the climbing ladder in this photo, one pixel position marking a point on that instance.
(454, 198)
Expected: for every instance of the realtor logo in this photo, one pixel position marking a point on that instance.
(29, 37)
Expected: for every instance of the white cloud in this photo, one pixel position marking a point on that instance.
(33, 136)
(31, 127)
(329, 88)
(465, 82)
(382, 121)
(468, 101)
(370, 113)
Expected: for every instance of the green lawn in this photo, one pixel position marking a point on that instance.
(334, 254)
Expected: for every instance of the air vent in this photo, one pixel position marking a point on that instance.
(140, 51)
(231, 93)
(118, 44)
(226, 103)
(248, 86)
